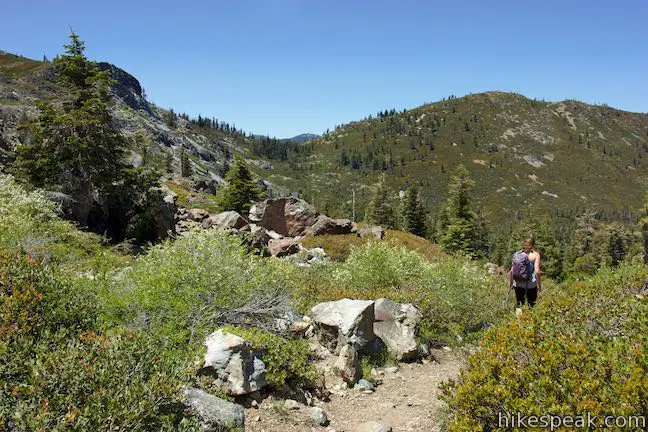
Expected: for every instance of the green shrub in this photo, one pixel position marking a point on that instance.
(337, 247)
(380, 265)
(61, 372)
(187, 287)
(583, 349)
(457, 298)
(28, 222)
(286, 360)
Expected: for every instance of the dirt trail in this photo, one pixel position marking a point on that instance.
(406, 399)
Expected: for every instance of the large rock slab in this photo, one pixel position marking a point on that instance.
(215, 413)
(347, 365)
(395, 324)
(327, 226)
(287, 216)
(197, 214)
(236, 369)
(343, 322)
(225, 220)
(163, 210)
(371, 231)
(282, 247)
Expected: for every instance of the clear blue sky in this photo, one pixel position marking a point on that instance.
(284, 67)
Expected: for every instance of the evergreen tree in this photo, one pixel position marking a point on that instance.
(74, 150)
(614, 241)
(168, 163)
(580, 254)
(74, 147)
(481, 235)
(185, 165)
(380, 210)
(414, 214)
(456, 231)
(241, 190)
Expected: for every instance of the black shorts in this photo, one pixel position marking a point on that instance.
(526, 294)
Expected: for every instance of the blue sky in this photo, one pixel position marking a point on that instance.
(283, 67)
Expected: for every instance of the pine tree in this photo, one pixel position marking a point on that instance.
(580, 254)
(74, 149)
(185, 165)
(456, 231)
(414, 214)
(241, 190)
(168, 163)
(380, 210)
(481, 235)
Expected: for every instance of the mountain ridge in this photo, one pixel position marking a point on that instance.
(523, 153)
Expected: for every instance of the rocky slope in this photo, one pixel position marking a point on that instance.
(525, 155)
(557, 157)
(25, 82)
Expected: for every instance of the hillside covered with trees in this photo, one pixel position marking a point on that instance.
(156, 275)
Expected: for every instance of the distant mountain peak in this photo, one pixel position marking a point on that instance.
(303, 137)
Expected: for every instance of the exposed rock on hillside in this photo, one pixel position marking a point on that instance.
(327, 226)
(236, 369)
(396, 326)
(344, 322)
(287, 216)
(214, 412)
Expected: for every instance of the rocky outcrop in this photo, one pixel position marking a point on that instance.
(256, 238)
(327, 226)
(282, 247)
(236, 370)
(214, 413)
(494, 269)
(225, 220)
(347, 365)
(163, 210)
(396, 325)
(289, 217)
(371, 231)
(197, 214)
(344, 322)
(127, 88)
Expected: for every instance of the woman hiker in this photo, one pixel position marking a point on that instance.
(524, 275)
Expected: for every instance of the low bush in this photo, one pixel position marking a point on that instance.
(29, 222)
(337, 247)
(286, 360)
(186, 288)
(582, 349)
(457, 298)
(61, 372)
(422, 246)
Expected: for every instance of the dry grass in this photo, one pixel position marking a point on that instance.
(337, 247)
(422, 246)
(191, 199)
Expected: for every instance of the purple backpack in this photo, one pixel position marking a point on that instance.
(520, 266)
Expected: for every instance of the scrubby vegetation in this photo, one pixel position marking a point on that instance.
(456, 297)
(95, 340)
(187, 287)
(583, 349)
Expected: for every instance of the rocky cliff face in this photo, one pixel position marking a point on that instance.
(24, 82)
